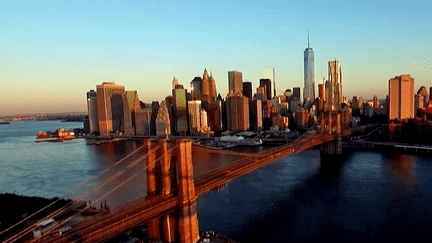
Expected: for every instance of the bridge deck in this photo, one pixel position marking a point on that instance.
(106, 226)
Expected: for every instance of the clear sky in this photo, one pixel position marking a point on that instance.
(53, 52)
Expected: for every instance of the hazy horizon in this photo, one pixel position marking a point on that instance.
(54, 52)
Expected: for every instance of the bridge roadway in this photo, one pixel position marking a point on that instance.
(104, 227)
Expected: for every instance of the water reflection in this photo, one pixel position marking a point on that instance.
(106, 155)
(401, 170)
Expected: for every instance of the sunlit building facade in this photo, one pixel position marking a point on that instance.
(401, 97)
(163, 125)
(266, 82)
(180, 111)
(114, 115)
(235, 82)
(333, 87)
(309, 75)
(238, 113)
(194, 107)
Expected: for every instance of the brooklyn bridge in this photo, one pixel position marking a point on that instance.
(169, 208)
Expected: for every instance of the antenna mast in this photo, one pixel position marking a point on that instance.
(274, 83)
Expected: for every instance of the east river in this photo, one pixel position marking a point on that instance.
(373, 196)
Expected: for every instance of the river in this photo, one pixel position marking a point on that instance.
(371, 196)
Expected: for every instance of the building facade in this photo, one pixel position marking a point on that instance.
(180, 111)
(333, 87)
(143, 121)
(194, 116)
(238, 113)
(92, 112)
(235, 82)
(266, 82)
(247, 89)
(163, 126)
(309, 75)
(401, 97)
(114, 115)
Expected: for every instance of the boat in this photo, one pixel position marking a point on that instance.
(58, 136)
(4, 122)
(250, 142)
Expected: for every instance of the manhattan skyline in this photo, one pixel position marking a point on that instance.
(53, 52)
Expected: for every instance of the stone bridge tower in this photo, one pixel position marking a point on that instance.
(173, 175)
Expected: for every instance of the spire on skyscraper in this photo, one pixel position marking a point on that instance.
(308, 40)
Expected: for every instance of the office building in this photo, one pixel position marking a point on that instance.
(266, 82)
(235, 82)
(401, 97)
(114, 115)
(296, 93)
(294, 105)
(261, 93)
(333, 87)
(93, 126)
(174, 83)
(302, 117)
(194, 108)
(247, 89)
(238, 113)
(309, 75)
(143, 121)
(421, 99)
(256, 116)
(214, 112)
(180, 113)
(132, 100)
(133, 104)
(163, 126)
(205, 86)
(375, 102)
(213, 90)
(196, 85)
(204, 122)
(155, 109)
(281, 122)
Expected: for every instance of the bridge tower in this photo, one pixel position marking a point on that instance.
(331, 124)
(181, 226)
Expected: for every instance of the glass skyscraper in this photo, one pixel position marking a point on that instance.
(309, 75)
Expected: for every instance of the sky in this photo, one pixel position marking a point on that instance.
(53, 52)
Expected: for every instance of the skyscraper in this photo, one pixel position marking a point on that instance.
(333, 87)
(235, 82)
(113, 110)
(247, 89)
(267, 83)
(92, 112)
(296, 93)
(196, 85)
(238, 113)
(213, 92)
(205, 87)
(309, 75)
(180, 111)
(143, 121)
(163, 126)
(401, 97)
